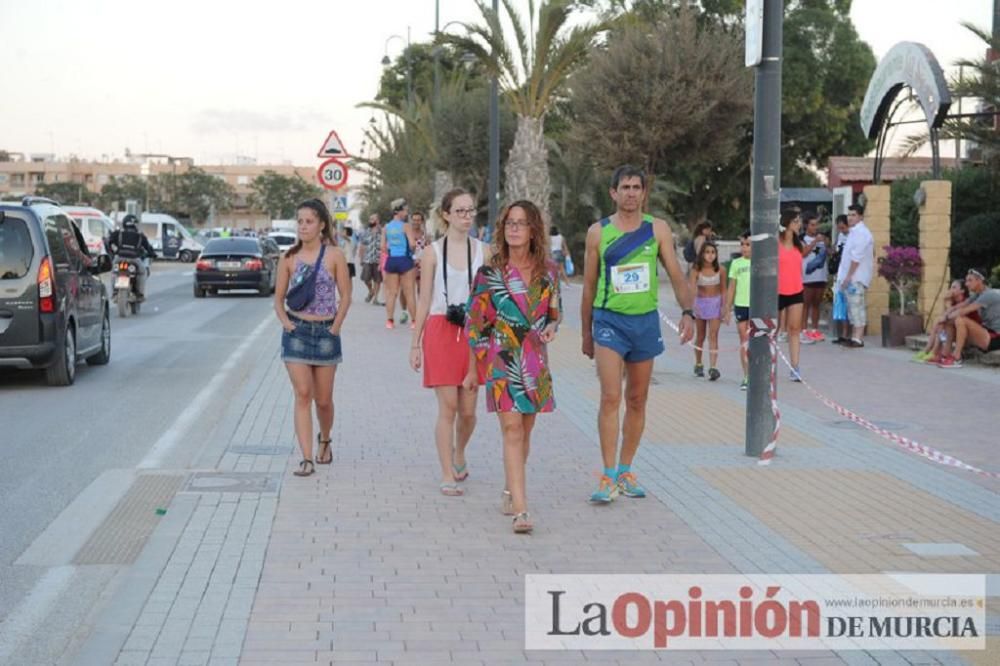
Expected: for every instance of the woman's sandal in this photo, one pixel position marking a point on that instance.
(522, 523)
(451, 490)
(306, 468)
(460, 472)
(324, 447)
(507, 503)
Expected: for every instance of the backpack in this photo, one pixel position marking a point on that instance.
(689, 254)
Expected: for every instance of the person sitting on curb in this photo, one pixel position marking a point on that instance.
(985, 335)
(942, 333)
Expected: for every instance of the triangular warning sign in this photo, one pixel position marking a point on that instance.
(332, 147)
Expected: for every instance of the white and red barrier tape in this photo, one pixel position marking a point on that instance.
(764, 327)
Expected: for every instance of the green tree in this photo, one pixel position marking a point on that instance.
(414, 68)
(278, 195)
(4, 156)
(193, 194)
(670, 97)
(120, 189)
(67, 193)
(532, 72)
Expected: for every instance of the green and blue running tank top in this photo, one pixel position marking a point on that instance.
(627, 283)
(395, 237)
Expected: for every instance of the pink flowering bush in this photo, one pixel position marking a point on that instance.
(902, 268)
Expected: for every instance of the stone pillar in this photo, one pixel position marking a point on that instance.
(935, 244)
(877, 220)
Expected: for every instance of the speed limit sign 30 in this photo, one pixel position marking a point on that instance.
(332, 174)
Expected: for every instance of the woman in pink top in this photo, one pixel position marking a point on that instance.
(790, 295)
(310, 341)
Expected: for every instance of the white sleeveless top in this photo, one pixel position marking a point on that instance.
(556, 243)
(458, 280)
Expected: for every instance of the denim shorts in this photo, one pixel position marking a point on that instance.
(311, 343)
(635, 338)
(399, 265)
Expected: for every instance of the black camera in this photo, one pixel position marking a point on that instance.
(455, 314)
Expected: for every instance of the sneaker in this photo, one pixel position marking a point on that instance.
(628, 486)
(606, 491)
(713, 374)
(390, 324)
(921, 357)
(744, 384)
(699, 370)
(818, 336)
(949, 362)
(405, 317)
(854, 343)
(795, 375)
(806, 339)
(783, 337)
(840, 340)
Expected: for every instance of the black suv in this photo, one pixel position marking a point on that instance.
(53, 306)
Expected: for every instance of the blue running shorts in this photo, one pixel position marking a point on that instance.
(635, 338)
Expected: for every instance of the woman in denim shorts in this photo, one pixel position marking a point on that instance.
(310, 341)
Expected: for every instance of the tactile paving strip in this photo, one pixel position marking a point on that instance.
(120, 538)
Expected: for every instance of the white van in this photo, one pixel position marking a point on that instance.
(95, 226)
(169, 237)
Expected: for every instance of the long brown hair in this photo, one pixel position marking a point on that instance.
(326, 234)
(537, 247)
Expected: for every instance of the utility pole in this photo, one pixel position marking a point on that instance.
(764, 200)
(494, 185)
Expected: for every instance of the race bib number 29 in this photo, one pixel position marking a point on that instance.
(630, 279)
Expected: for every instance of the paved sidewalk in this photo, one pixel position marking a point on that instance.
(365, 562)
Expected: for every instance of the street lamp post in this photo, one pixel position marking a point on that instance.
(494, 186)
(386, 62)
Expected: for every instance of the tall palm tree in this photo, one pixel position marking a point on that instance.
(531, 72)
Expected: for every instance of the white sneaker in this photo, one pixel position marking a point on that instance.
(806, 340)
(783, 337)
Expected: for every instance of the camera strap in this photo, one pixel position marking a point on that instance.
(468, 266)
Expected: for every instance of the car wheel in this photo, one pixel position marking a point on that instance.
(63, 371)
(186, 256)
(199, 292)
(102, 357)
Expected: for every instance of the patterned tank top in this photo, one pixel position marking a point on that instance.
(627, 283)
(324, 303)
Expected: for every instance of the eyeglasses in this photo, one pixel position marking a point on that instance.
(516, 224)
(464, 212)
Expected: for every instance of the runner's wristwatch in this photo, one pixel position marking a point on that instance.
(689, 312)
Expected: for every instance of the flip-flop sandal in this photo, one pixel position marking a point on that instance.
(451, 490)
(522, 523)
(460, 472)
(306, 468)
(324, 447)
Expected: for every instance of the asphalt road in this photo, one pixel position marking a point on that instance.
(55, 442)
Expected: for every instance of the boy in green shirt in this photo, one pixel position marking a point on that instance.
(738, 300)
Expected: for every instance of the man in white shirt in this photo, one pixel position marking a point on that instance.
(855, 273)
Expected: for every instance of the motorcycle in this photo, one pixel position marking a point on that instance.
(126, 283)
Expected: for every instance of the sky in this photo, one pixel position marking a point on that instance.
(216, 81)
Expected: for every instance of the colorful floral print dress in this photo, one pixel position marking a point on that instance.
(505, 322)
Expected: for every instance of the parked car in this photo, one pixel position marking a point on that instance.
(237, 263)
(284, 239)
(53, 305)
(168, 237)
(94, 225)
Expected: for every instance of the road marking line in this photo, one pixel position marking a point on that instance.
(21, 623)
(169, 439)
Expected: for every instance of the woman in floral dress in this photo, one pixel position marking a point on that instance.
(513, 313)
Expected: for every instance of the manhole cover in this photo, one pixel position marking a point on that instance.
(232, 482)
(260, 450)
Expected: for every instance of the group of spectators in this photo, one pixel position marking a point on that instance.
(972, 317)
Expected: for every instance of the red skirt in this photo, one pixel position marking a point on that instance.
(446, 353)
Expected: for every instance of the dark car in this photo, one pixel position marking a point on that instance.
(53, 306)
(237, 263)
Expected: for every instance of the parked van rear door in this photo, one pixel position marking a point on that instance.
(18, 282)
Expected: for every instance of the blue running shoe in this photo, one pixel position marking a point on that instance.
(628, 486)
(606, 491)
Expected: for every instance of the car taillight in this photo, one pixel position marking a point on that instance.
(46, 287)
(204, 265)
(253, 264)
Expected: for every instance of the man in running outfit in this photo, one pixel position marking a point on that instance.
(620, 322)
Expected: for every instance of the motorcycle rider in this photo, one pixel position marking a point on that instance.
(129, 243)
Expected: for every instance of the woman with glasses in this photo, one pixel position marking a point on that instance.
(514, 312)
(439, 343)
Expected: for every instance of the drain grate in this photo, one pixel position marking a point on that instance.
(259, 450)
(232, 482)
(120, 538)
